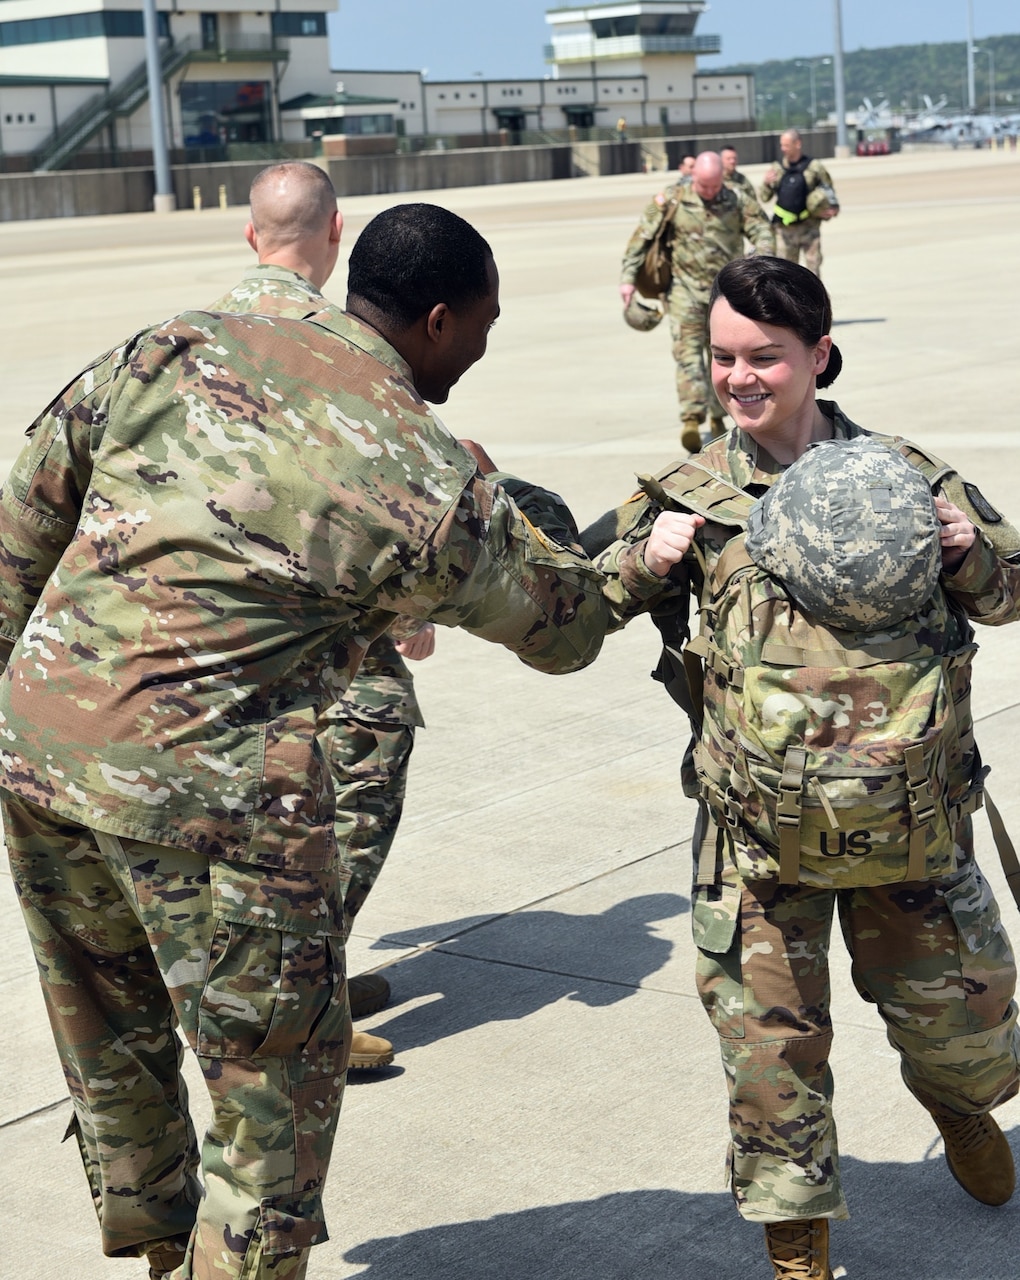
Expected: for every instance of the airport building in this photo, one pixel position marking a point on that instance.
(74, 89)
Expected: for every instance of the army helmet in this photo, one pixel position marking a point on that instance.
(640, 316)
(851, 531)
(820, 199)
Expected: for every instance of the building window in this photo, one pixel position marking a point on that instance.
(215, 112)
(112, 23)
(299, 24)
(350, 126)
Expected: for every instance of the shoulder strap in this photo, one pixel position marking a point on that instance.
(695, 487)
(1007, 853)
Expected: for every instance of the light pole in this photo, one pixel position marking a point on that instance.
(164, 200)
(842, 146)
(991, 78)
(970, 55)
(811, 63)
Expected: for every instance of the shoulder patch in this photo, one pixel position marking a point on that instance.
(981, 504)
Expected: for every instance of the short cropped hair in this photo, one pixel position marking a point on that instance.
(775, 291)
(414, 256)
(291, 201)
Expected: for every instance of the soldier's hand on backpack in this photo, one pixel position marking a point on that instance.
(957, 535)
(626, 293)
(671, 536)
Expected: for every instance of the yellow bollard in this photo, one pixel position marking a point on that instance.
(223, 196)
(196, 199)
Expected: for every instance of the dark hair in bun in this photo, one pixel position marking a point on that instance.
(774, 291)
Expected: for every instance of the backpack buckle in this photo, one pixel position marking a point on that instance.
(921, 800)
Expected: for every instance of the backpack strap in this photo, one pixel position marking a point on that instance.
(788, 812)
(695, 487)
(1007, 853)
(691, 487)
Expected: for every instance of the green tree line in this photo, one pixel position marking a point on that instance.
(902, 74)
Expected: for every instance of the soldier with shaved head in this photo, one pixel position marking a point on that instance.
(710, 222)
(368, 735)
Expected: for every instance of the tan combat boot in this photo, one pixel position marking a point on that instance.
(367, 993)
(690, 434)
(368, 1052)
(716, 427)
(978, 1155)
(799, 1249)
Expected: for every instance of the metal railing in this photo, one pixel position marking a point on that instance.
(93, 115)
(587, 47)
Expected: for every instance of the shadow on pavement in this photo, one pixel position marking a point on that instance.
(532, 959)
(910, 1220)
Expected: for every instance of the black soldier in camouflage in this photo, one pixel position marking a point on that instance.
(201, 539)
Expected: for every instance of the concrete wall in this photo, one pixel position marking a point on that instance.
(436, 170)
(74, 193)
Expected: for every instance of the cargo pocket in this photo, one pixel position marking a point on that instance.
(985, 955)
(287, 1224)
(275, 982)
(715, 915)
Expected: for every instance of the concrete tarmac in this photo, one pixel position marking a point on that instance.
(556, 1110)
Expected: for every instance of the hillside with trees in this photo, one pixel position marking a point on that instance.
(903, 75)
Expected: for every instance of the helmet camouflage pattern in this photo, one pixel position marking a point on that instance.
(641, 316)
(821, 199)
(851, 531)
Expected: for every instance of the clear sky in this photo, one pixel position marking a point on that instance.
(454, 39)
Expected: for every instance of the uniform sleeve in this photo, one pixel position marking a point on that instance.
(987, 583)
(41, 500)
(489, 569)
(615, 543)
(542, 507)
(769, 187)
(757, 227)
(634, 253)
(821, 175)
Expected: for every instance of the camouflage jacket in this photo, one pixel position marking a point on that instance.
(203, 535)
(742, 183)
(382, 689)
(706, 235)
(815, 175)
(986, 585)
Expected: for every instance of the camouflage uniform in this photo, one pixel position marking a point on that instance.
(707, 235)
(801, 238)
(741, 182)
(200, 540)
(368, 738)
(368, 735)
(932, 955)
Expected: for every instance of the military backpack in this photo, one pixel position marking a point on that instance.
(655, 275)
(834, 739)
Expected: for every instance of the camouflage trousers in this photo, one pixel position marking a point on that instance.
(932, 956)
(688, 326)
(134, 940)
(803, 238)
(368, 762)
